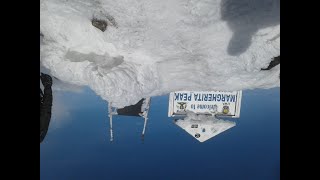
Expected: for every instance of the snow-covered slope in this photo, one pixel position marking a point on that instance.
(203, 127)
(153, 47)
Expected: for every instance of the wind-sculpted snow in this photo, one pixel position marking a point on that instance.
(153, 47)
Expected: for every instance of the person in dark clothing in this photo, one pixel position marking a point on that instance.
(45, 105)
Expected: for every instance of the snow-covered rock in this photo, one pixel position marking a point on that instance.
(153, 47)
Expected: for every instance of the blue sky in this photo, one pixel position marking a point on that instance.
(77, 145)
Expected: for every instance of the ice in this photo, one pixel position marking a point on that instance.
(153, 47)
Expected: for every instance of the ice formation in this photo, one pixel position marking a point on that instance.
(153, 47)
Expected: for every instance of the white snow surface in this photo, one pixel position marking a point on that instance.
(154, 47)
(207, 126)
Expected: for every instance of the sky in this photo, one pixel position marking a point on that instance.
(77, 145)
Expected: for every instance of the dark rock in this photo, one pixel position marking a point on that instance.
(273, 63)
(100, 24)
(133, 110)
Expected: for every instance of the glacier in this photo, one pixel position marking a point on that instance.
(152, 47)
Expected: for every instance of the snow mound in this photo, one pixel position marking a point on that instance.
(203, 127)
(153, 47)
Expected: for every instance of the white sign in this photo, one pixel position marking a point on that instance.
(221, 103)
